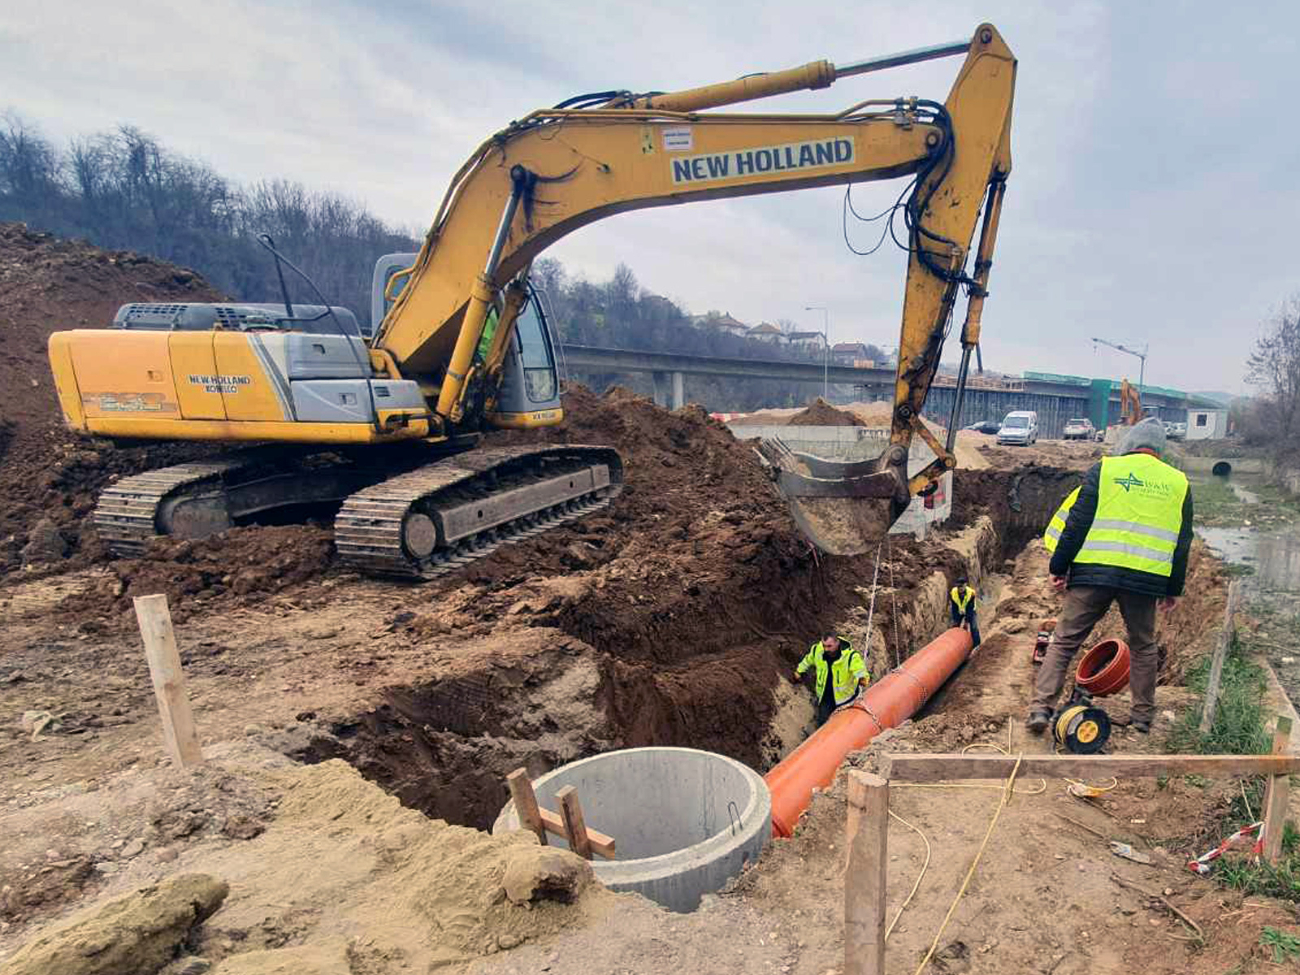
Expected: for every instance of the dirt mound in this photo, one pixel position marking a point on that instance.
(822, 414)
(47, 285)
(693, 496)
(251, 563)
(134, 934)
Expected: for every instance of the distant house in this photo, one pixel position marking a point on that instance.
(725, 323)
(847, 353)
(767, 332)
(660, 304)
(807, 340)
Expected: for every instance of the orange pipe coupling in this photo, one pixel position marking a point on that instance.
(886, 704)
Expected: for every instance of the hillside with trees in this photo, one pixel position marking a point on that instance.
(124, 190)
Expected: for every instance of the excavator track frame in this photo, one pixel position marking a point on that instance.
(421, 525)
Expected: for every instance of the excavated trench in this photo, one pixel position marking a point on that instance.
(607, 670)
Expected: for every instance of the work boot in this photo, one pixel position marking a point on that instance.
(1038, 721)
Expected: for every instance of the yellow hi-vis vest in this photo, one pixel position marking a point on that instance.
(847, 670)
(1057, 524)
(964, 598)
(1139, 514)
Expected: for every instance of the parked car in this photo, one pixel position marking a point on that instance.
(985, 426)
(1079, 429)
(1019, 427)
(1175, 431)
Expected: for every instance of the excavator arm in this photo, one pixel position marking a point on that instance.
(559, 169)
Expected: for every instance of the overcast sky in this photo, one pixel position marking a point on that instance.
(1153, 199)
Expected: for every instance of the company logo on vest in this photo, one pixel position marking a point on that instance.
(1130, 480)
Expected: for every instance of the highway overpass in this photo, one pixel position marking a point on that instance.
(1055, 398)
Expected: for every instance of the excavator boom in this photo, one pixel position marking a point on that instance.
(559, 169)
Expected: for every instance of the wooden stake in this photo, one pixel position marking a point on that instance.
(525, 799)
(1220, 652)
(865, 874)
(1276, 795)
(575, 830)
(179, 735)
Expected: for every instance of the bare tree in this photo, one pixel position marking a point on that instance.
(1274, 368)
(30, 168)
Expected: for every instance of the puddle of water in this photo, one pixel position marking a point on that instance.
(1275, 556)
(1273, 553)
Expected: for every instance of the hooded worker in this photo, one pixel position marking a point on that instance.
(841, 674)
(1123, 537)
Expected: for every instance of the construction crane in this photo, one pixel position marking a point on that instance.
(387, 429)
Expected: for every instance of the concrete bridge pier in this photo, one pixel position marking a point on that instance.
(670, 389)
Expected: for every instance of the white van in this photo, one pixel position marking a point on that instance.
(1019, 427)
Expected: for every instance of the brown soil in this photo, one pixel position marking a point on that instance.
(46, 285)
(822, 414)
(671, 618)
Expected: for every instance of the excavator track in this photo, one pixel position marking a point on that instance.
(127, 515)
(437, 518)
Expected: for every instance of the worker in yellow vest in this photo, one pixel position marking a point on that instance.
(1123, 537)
(962, 606)
(1057, 524)
(841, 674)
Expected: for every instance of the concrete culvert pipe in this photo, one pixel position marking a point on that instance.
(684, 821)
(1221, 469)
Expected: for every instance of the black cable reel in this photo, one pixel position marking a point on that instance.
(1079, 727)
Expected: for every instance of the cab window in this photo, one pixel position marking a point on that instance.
(535, 354)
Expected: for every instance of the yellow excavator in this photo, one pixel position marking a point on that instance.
(388, 427)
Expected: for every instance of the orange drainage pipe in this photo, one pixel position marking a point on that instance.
(1104, 669)
(886, 704)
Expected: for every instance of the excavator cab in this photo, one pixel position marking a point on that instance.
(529, 391)
(529, 394)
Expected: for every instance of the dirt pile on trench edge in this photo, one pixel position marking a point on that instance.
(822, 414)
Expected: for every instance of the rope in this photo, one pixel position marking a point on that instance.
(871, 609)
(1008, 790)
(893, 600)
(1084, 790)
(916, 886)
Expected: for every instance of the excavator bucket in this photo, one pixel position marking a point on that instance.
(844, 508)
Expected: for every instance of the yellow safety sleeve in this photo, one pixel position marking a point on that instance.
(1057, 524)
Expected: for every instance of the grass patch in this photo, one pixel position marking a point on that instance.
(1283, 946)
(1240, 728)
(1239, 720)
